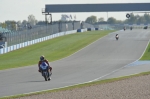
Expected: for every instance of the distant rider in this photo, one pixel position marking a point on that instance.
(124, 28)
(117, 36)
(42, 59)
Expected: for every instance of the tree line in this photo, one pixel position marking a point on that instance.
(133, 19)
(26, 24)
(16, 25)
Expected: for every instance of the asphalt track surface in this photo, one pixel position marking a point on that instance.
(105, 58)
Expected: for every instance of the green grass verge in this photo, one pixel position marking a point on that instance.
(78, 86)
(146, 55)
(52, 49)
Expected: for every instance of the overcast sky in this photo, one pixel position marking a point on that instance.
(19, 10)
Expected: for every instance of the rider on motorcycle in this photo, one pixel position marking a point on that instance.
(117, 36)
(124, 28)
(43, 60)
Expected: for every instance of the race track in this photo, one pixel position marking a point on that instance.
(93, 62)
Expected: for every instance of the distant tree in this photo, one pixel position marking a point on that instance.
(3, 25)
(19, 23)
(31, 20)
(92, 19)
(11, 25)
(137, 17)
(141, 20)
(147, 18)
(119, 21)
(24, 22)
(133, 19)
(101, 19)
(111, 20)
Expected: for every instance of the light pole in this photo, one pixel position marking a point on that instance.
(107, 20)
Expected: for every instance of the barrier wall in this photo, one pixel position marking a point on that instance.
(24, 44)
(90, 29)
(81, 30)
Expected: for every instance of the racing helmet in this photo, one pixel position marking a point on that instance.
(42, 58)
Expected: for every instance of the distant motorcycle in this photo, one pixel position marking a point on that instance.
(45, 72)
(124, 28)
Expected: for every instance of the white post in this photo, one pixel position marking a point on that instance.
(66, 28)
(107, 20)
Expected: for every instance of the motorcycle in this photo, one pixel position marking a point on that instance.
(45, 72)
(117, 37)
(124, 28)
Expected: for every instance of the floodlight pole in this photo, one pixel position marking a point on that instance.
(107, 19)
(47, 14)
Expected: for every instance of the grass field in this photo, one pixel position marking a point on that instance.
(52, 49)
(146, 55)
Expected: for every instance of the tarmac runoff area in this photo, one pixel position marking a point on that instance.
(130, 69)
